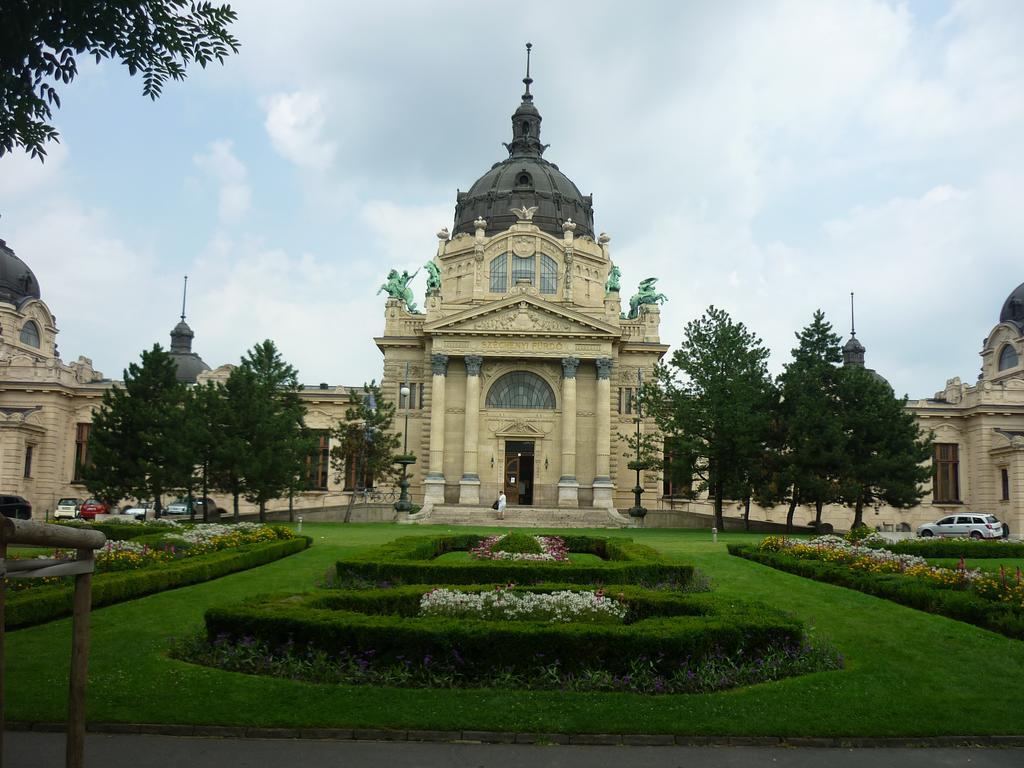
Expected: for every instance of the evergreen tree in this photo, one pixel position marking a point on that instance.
(714, 396)
(365, 448)
(206, 406)
(812, 449)
(229, 453)
(272, 425)
(138, 445)
(885, 457)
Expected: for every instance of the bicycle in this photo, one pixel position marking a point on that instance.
(377, 496)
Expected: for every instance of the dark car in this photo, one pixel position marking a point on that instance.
(92, 507)
(16, 507)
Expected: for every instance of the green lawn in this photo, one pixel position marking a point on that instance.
(898, 680)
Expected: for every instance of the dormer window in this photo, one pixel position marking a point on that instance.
(30, 334)
(1008, 358)
(524, 180)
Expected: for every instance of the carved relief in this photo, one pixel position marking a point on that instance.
(521, 318)
(524, 246)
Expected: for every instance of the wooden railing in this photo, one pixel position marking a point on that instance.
(30, 533)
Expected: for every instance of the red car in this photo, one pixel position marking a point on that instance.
(92, 507)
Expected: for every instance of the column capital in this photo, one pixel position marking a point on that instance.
(569, 366)
(439, 364)
(604, 367)
(473, 363)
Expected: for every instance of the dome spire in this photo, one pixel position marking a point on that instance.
(526, 121)
(184, 292)
(853, 350)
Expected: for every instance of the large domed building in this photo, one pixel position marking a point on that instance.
(523, 369)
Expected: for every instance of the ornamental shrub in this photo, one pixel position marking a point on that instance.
(518, 543)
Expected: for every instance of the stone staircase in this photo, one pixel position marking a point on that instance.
(523, 517)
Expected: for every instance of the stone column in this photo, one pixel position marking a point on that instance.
(603, 487)
(433, 484)
(469, 485)
(568, 486)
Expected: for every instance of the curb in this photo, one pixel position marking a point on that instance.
(509, 737)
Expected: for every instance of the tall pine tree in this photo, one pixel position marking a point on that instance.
(885, 455)
(272, 425)
(812, 450)
(365, 448)
(139, 444)
(714, 398)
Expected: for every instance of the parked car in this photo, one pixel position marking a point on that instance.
(16, 507)
(975, 525)
(67, 509)
(92, 507)
(180, 506)
(140, 511)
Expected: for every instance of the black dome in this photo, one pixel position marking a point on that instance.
(525, 179)
(17, 282)
(1013, 308)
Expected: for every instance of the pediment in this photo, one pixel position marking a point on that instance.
(519, 429)
(521, 315)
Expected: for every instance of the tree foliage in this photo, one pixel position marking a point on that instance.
(886, 456)
(714, 399)
(268, 417)
(812, 441)
(40, 41)
(365, 447)
(139, 444)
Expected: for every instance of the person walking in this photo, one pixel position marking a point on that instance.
(502, 501)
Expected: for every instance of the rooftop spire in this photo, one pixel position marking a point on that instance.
(527, 80)
(853, 350)
(184, 291)
(526, 121)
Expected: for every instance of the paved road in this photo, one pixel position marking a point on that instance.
(32, 750)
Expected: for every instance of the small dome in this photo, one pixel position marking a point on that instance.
(1013, 308)
(190, 365)
(17, 282)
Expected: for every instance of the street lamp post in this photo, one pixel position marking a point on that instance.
(637, 510)
(403, 504)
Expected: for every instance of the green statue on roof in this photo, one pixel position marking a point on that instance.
(645, 294)
(397, 287)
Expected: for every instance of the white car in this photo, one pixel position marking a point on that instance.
(67, 509)
(140, 511)
(973, 525)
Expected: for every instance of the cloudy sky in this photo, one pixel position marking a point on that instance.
(764, 157)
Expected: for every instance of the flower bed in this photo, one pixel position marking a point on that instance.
(549, 549)
(504, 604)
(669, 642)
(126, 569)
(993, 602)
(412, 560)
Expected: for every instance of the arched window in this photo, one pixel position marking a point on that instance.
(30, 334)
(499, 274)
(522, 269)
(524, 180)
(521, 389)
(548, 274)
(1007, 357)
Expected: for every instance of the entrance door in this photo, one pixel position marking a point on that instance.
(519, 472)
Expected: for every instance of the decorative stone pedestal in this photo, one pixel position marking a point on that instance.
(604, 491)
(568, 492)
(469, 490)
(433, 491)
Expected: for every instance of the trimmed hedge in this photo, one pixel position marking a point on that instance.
(411, 560)
(668, 629)
(962, 605)
(47, 603)
(117, 531)
(970, 548)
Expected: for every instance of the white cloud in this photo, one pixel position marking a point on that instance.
(220, 163)
(296, 125)
(22, 175)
